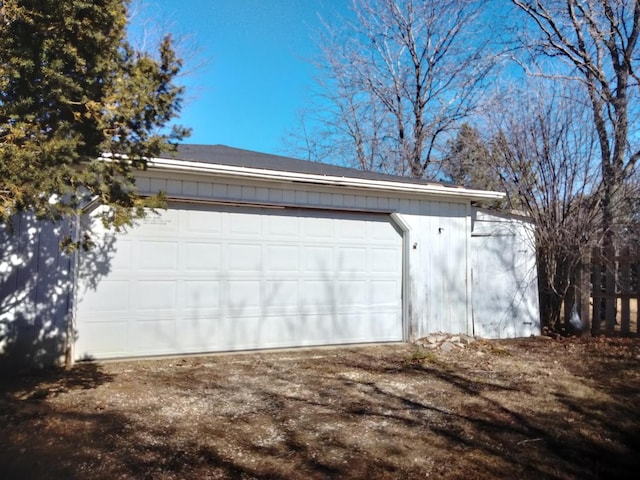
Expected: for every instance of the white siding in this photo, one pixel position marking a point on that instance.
(438, 273)
(505, 282)
(35, 281)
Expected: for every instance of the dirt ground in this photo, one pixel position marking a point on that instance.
(534, 408)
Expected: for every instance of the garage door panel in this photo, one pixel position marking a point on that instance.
(201, 294)
(283, 258)
(248, 224)
(244, 297)
(279, 331)
(350, 327)
(155, 295)
(202, 256)
(317, 259)
(281, 294)
(318, 293)
(155, 255)
(381, 324)
(110, 296)
(384, 293)
(314, 328)
(352, 292)
(120, 263)
(202, 221)
(230, 278)
(317, 229)
(162, 222)
(198, 331)
(154, 335)
(385, 260)
(107, 337)
(351, 260)
(244, 257)
(351, 229)
(239, 332)
(380, 231)
(279, 227)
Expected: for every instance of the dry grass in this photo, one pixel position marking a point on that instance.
(532, 408)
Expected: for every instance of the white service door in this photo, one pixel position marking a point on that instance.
(505, 290)
(203, 279)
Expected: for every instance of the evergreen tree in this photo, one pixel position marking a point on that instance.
(80, 109)
(466, 161)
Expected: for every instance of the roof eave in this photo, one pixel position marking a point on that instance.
(186, 166)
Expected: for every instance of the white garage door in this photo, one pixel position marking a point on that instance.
(202, 279)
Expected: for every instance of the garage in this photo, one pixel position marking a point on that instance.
(200, 278)
(260, 251)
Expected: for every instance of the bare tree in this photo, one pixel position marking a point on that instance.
(597, 41)
(545, 155)
(398, 77)
(541, 149)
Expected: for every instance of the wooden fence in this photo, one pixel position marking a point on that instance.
(608, 293)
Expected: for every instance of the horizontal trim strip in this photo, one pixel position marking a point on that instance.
(273, 205)
(293, 177)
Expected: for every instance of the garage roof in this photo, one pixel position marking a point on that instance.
(228, 161)
(221, 154)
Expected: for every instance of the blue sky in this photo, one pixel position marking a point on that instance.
(248, 64)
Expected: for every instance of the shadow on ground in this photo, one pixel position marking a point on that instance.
(520, 410)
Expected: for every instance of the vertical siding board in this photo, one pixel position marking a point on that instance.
(143, 185)
(234, 192)
(205, 189)
(349, 201)
(313, 198)
(458, 221)
(248, 194)
(337, 200)
(190, 189)
(302, 197)
(288, 196)
(174, 187)
(220, 191)
(35, 293)
(468, 272)
(158, 185)
(275, 195)
(429, 248)
(262, 194)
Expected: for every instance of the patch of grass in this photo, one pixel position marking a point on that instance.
(499, 351)
(421, 355)
(39, 394)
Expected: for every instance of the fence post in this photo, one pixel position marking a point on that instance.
(584, 294)
(625, 290)
(637, 294)
(610, 266)
(596, 291)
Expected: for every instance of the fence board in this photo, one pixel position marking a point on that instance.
(584, 292)
(610, 285)
(625, 286)
(615, 284)
(596, 290)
